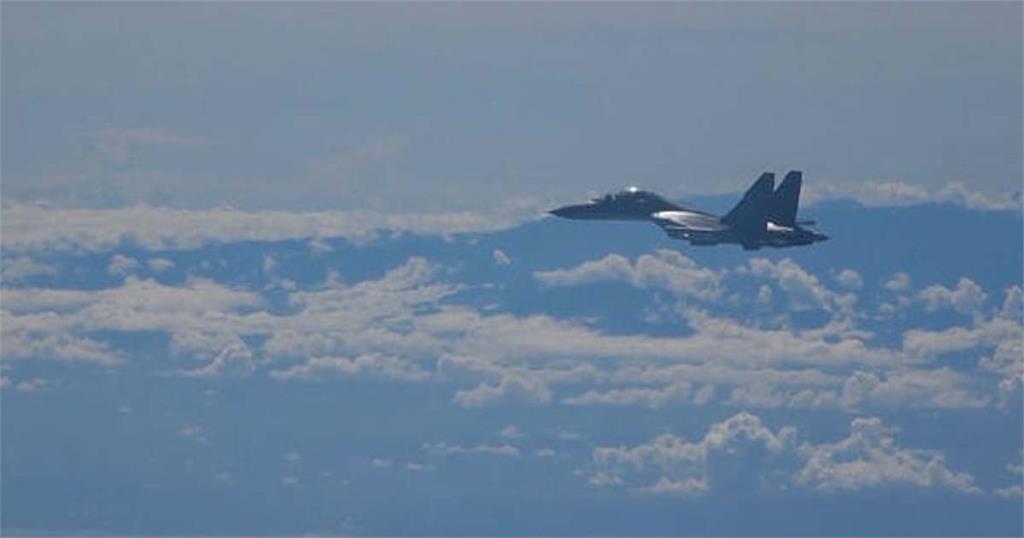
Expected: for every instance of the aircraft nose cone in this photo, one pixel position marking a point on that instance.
(567, 212)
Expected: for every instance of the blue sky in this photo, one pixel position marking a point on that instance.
(276, 269)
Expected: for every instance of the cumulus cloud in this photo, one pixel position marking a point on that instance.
(870, 457)
(122, 265)
(32, 336)
(666, 269)
(1007, 361)
(967, 298)
(672, 465)
(1012, 303)
(741, 454)
(982, 333)
(400, 327)
(803, 289)
(850, 279)
(1015, 467)
(513, 386)
(898, 282)
(938, 388)
(58, 324)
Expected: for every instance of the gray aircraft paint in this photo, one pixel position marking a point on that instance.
(764, 217)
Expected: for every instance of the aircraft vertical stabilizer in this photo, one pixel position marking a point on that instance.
(786, 200)
(751, 213)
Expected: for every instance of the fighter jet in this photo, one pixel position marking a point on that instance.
(764, 217)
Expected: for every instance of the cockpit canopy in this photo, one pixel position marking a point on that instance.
(631, 194)
(628, 193)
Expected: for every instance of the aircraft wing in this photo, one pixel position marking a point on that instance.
(684, 224)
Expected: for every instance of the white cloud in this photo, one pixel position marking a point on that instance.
(202, 344)
(500, 258)
(319, 246)
(898, 282)
(1008, 362)
(514, 386)
(654, 398)
(42, 323)
(21, 267)
(381, 463)
(41, 228)
(1015, 467)
(967, 298)
(870, 457)
(671, 464)
(399, 327)
(31, 336)
(1013, 303)
(372, 365)
(803, 289)
(741, 454)
(511, 432)
(122, 265)
(1009, 492)
(899, 193)
(444, 449)
(938, 388)
(766, 395)
(28, 385)
(1002, 335)
(666, 269)
(234, 360)
(850, 279)
(982, 333)
(269, 264)
(159, 265)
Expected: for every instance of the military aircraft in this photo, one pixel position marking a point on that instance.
(764, 217)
